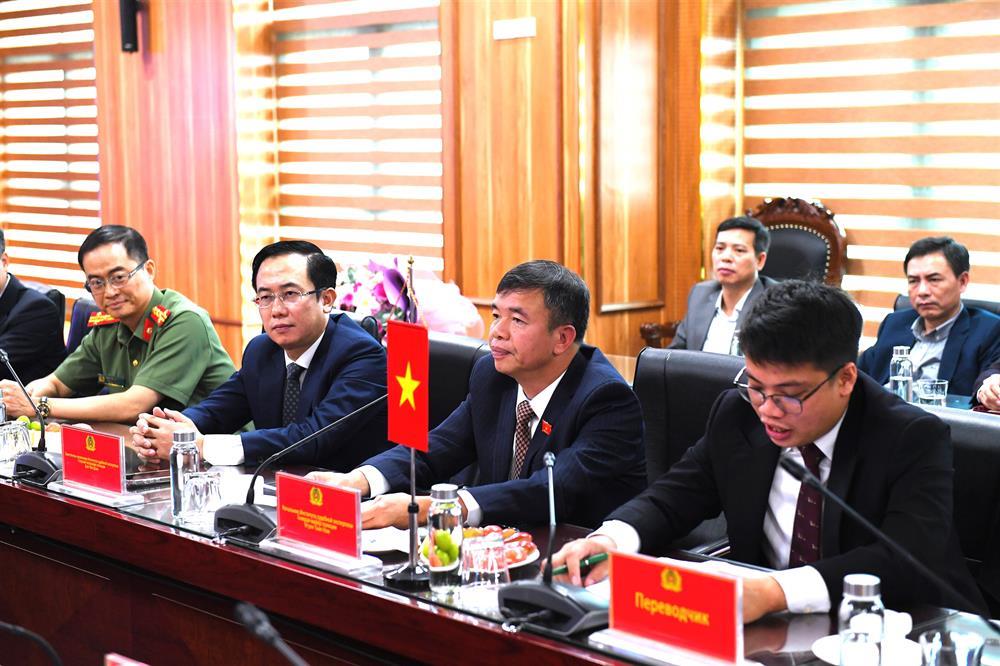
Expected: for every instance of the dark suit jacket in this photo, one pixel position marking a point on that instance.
(892, 462)
(992, 370)
(693, 329)
(596, 434)
(347, 372)
(973, 343)
(31, 332)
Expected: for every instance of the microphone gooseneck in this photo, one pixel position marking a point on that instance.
(550, 461)
(5, 359)
(258, 624)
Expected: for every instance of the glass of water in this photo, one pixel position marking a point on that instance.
(931, 392)
(484, 570)
(951, 648)
(14, 440)
(200, 497)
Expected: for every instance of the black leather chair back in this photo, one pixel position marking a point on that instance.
(903, 301)
(676, 389)
(975, 438)
(797, 253)
(53, 294)
(451, 361)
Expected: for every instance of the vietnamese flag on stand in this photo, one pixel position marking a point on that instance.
(407, 381)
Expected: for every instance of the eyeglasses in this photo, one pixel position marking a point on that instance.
(118, 280)
(290, 297)
(786, 403)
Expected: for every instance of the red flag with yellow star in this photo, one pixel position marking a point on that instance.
(407, 382)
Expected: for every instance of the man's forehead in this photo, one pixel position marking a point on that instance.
(783, 374)
(519, 299)
(929, 264)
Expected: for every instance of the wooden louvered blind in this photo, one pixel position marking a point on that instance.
(359, 127)
(49, 197)
(889, 112)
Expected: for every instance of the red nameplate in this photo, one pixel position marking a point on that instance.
(319, 514)
(682, 606)
(93, 459)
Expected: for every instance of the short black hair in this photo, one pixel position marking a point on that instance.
(954, 252)
(761, 236)
(3, 243)
(796, 322)
(135, 244)
(320, 268)
(566, 295)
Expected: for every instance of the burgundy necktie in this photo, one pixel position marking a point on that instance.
(522, 437)
(808, 514)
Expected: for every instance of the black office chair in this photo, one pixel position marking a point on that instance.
(52, 293)
(676, 389)
(82, 309)
(902, 302)
(806, 242)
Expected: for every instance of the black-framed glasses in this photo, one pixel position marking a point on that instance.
(289, 297)
(788, 404)
(96, 285)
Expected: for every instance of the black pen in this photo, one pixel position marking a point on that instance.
(585, 563)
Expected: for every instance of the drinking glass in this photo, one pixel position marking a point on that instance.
(14, 440)
(950, 648)
(931, 392)
(201, 496)
(484, 570)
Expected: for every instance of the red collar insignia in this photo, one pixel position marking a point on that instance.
(546, 427)
(100, 319)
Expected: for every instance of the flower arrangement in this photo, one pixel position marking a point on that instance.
(380, 289)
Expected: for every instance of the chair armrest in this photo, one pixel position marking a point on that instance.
(717, 548)
(655, 334)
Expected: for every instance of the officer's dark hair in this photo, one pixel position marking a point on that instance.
(320, 269)
(955, 253)
(797, 322)
(135, 244)
(761, 236)
(566, 295)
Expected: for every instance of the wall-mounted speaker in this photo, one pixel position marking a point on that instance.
(129, 13)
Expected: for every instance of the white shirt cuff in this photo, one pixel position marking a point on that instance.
(223, 449)
(473, 512)
(805, 590)
(377, 483)
(624, 535)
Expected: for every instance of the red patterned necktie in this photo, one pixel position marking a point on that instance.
(808, 514)
(522, 437)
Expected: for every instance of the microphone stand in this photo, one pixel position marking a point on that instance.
(34, 467)
(413, 575)
(805, 476)
(247, 521)
(257, 623)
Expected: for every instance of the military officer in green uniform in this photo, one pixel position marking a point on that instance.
(148, 347)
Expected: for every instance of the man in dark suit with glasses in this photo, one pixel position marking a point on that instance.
(801, 397)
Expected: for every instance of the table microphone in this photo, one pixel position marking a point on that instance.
(247, 521)
(552, 607)
(805, 476)
(35, 467)
(257, 623)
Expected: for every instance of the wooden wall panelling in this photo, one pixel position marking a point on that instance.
(167, 147)
(510, 143)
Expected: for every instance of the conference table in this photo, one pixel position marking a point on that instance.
(93, 579)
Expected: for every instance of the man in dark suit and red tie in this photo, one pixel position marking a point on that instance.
(801, 396)
(541, 390)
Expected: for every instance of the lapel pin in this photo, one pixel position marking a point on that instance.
(546, 427)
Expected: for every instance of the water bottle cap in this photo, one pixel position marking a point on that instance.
(862, 585)
(901, 350)
(444, 491)
(184, 437)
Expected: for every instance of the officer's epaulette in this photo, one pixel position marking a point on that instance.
(100, 319)
(159, 314)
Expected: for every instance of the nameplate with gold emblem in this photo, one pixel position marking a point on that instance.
(93, 459)
(318, 514)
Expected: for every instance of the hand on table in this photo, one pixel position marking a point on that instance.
(153, 434)
(989, 393)
(391, 511)
(13, 397)
(572, 553)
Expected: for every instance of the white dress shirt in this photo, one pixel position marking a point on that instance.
(925, 356)
(378, 485)
(228, 449)
(804, 588)
(719, 338)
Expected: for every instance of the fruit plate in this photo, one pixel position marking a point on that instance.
(528, 560)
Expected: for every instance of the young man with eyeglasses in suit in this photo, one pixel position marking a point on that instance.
(801, 396)
(147, 347)
(307, 370)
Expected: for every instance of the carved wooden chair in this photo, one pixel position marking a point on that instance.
(806, 243)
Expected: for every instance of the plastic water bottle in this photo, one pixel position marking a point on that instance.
(734, 344)
(443, 545)
(862, 621)
(901, 373)
(184, 461)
